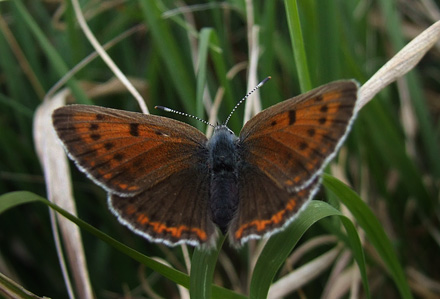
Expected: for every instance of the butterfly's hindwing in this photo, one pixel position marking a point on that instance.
(265, 208)
(173, 211)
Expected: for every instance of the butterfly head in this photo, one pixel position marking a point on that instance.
(223, 129)
(222, 134)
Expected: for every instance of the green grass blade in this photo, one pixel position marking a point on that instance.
(328, 46)
(203, 264)
(171, 54)
(16, 106)
(280, 245)
(373, 229)
(14, 290)
(387, 134)
(299, 51)
(51, 53)
(220, 67)
(13, 199)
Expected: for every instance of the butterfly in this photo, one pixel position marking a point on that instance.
(167, 182)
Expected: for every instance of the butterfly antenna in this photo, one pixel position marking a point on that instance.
(166, 109)
(246, 96)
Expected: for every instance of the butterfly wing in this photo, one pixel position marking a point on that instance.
(292, 142)
(127, 152)
(173, 211)
(264, 208)
(283, 150)
(146, 163)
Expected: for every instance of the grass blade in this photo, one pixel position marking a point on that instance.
(373, 229)
(299, 51)
(280, 245)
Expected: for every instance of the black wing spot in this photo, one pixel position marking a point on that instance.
(311, 132)
(134, 129)
(118, 157)
(99, 116)
(95, 136)
(108, 145)
(318, 98)
(322, 120)
(292, 117)
(94, 127)
(303, 146)
(324, 108)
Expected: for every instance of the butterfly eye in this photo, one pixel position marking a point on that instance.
(228, 130)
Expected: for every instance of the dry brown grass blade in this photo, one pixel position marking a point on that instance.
(253, 104)
(305, 249)
(106, 58)
(342, 286)
(304, 274)
(424, 286)
(91, 57)
(404, 61)
(59, 191)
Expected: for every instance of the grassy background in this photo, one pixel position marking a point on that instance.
(391, 158)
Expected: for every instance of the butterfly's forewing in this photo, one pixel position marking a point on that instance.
(291, 142)
(144, 162)
(127, 152)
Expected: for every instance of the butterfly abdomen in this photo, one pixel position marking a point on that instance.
(224, 177)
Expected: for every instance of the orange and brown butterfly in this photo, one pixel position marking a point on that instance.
(167, 182)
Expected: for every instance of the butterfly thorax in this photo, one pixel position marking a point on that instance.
(224, 176)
